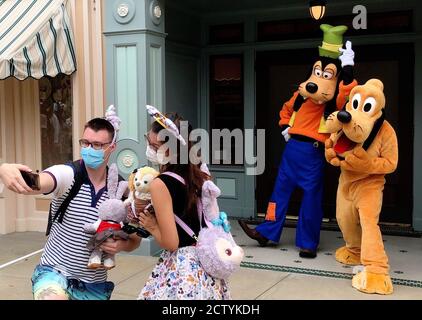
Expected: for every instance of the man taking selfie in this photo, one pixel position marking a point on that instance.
(62, 273)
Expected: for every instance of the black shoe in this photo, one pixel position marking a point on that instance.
(306, 253)
(253, 234)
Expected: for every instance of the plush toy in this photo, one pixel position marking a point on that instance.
(218, 252)
(364, 145)
(139, 196)
(302, 122)
(111, 214)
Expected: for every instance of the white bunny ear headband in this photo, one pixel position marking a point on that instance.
(111, 116)
(165, 123)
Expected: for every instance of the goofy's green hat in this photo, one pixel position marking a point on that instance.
(332, 41)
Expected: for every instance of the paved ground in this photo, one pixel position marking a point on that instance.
(267, 273)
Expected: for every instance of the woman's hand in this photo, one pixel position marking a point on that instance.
(148, 221)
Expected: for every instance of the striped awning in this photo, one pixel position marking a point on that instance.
(36, 39)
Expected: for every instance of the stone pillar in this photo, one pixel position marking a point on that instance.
(134, 45)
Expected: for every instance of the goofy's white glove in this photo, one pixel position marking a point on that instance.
(348, 55)
(286, 134)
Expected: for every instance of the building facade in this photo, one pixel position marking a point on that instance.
(221, 65)
(28, 135)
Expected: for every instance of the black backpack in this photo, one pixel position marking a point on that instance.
(72, 193)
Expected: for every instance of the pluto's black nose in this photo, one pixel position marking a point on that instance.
(344, 116)
(311, 87)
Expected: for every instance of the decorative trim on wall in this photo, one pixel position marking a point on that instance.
(156, 12)
(132, 32)
(228, 187)
(124, 11)
(126, 90)
(155, 75)
(127, 160)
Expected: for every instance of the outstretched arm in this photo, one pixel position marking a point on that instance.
(13, 180)
(347, 59)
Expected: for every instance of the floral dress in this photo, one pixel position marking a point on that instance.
(178, 275)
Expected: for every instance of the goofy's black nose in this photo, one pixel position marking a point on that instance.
(344, 117)
(311, 87)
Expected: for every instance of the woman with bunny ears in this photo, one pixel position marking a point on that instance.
(62, 273)
(175, 194)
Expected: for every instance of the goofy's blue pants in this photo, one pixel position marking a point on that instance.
(302, 165)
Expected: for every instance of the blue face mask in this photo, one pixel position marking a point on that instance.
(92, 158)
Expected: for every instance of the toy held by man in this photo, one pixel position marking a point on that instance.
(139, 198)
(112, 214)
(364, 145)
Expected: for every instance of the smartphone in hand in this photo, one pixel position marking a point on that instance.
(31, 179)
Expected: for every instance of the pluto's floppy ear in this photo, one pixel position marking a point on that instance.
(375, 129)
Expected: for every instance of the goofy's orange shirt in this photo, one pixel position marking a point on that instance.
(308, 118)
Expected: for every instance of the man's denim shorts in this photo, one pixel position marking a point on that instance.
(48, 283)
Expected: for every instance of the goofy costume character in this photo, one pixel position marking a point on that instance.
(303, 127)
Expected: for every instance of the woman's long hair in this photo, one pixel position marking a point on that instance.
(193, 175)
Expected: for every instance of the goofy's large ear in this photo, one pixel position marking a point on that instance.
(298, 102)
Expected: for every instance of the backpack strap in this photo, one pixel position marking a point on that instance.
(175, 176)
(185, 227)
(179, 221)
(59, 215)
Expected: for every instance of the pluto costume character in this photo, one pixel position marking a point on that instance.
(303, 127)
(364, 145)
